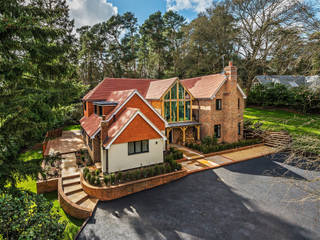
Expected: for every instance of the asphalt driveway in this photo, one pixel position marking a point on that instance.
(255, 199)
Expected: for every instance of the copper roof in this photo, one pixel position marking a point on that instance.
(205, 86)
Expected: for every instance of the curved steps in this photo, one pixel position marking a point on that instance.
(76, 201)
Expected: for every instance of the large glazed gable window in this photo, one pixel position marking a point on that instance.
(138, 147)
(177, 104)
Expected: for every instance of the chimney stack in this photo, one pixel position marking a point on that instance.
(231, 72)
(104, 125)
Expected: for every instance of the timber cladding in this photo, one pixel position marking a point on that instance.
(121, 190)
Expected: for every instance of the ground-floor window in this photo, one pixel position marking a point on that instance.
(217, 131)
(239, 128)
(138, 147)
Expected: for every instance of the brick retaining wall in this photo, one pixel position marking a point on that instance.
(70, 207)
(47, 185)
(121, 190)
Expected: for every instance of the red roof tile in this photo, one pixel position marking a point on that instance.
(157, 88)
(205, 86)
(90, 124)
(148, 88)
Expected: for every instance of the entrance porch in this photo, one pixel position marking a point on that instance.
(182, 132)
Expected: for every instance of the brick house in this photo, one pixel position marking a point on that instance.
(127, 122)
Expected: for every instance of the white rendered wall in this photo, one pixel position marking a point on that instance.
(118, 158)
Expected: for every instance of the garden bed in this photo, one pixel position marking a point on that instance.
(210, 145)
(106, 193)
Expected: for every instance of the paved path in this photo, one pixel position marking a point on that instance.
(247, 200)
(70, 141)
(205, 163)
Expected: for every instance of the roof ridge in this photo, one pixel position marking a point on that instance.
(216, 74)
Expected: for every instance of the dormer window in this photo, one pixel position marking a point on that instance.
(100, 111)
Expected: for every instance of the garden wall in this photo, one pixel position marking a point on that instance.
(47, 185)
(121, 190)
(70, 207)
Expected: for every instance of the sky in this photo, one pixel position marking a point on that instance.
(90, 12)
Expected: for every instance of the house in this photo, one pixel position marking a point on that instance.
(312, 82)
(128, 123)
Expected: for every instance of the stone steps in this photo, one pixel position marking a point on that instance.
(78, 197)
(70, 181)
(72, 189)
(89, 203)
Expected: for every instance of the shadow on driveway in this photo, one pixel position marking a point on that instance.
(201, 206)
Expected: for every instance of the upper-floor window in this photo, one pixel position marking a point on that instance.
(96, 109)
(138, 147)
(239, 129)
(85, 106)
(238, 103)
(217, 131)
(218, 104)
(100, 111)
(177, 104)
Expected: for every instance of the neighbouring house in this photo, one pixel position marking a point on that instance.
(290, 81)
(128, 123)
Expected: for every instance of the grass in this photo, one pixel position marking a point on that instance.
(73, 224)
(71, 127)
(304, 128)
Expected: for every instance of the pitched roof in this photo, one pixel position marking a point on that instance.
(125, 116)
(90, 124)
(205, 86)
(158, 88)
(123, 121)
(148, 88)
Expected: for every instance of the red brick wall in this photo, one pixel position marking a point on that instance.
(121, 190)
(137, 130)
(89, 110)
(47, 185)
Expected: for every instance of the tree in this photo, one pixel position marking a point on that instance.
(38, 82)
(25, 215)
(210, 38)
(262, 23)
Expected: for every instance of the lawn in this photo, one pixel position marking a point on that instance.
(71, 127)
(73, 224)
(304, 128)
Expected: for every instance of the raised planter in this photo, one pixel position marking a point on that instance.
(50, 185)
(70, 207)
(223, 152)
(121, 190)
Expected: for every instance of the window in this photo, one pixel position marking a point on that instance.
(177, 104)
(138, 147)
(217, 131)
(85, 106)
(95, 109)
(238, 103)
(90, 142)
(239, 129)
(218, 104)
(100, 110)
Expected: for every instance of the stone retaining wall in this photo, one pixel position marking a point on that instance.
(121, 190)
(70, 207)
(47, 185)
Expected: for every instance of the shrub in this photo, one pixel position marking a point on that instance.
(119, 176)
(98, 171)
(106, 179)
(167, 168)
(88, 177)
(168, 157)
(145, 172)
(98, 181)
(161, 169)
(113, 178)
(150, 172)
(179, 166)
(85, 170)
(156, 170)
(137, 174)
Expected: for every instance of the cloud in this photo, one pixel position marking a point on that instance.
(195, 5)
(90, 12)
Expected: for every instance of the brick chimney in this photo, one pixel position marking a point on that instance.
(230, 125)
(104, 125)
